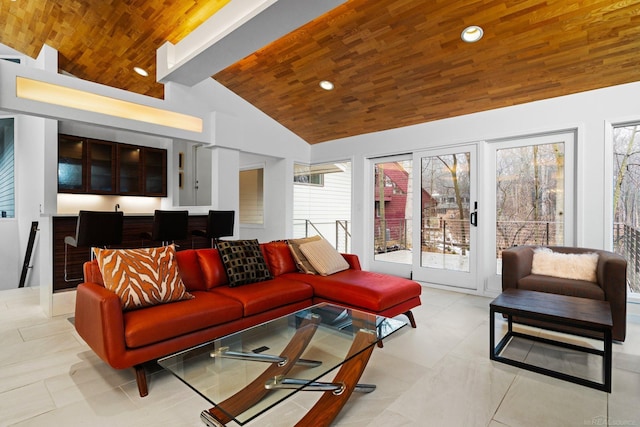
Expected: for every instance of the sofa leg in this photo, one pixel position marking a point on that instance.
(141, 380)
(412, 320)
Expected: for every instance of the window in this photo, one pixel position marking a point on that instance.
(626, 200)
(7, 180)
(251, 209)
(392, 198)
(308, 175)
(322, 202)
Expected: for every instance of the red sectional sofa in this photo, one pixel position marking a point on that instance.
(126, 339)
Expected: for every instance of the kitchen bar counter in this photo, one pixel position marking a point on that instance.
(133, 226)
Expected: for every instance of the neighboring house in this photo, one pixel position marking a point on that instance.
(397, 219)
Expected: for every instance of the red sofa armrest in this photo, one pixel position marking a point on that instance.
(353, 260)
(99, 321)
(92, 272)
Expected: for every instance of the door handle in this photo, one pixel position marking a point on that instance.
(473, 218)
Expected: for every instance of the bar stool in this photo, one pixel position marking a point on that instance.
(168, 226)
(94, 229)
(219, 224)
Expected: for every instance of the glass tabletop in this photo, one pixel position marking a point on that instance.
(248, 372)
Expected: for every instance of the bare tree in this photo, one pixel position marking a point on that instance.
(528, 181)
(623, 156)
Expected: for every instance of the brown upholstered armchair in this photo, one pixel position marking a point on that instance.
(611, 274)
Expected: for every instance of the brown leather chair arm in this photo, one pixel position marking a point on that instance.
(612, 278)
(516, 264)
(99, 321)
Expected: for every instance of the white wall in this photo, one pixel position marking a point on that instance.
(589, 113)
(30, 144)
(278, 198)
(31, 135)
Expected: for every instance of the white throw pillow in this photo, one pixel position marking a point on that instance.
(566, 266)
(323, 257)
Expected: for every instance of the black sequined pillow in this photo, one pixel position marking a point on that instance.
(243, 262)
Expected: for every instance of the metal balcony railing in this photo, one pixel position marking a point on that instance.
(626, 242)
(337, 232)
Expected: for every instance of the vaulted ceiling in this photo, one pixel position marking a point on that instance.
(393, 62)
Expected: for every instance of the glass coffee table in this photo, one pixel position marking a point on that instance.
(246, 373)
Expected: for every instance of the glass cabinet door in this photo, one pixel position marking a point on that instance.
(129, 170)
(155, 172)
(101, 161)
(71, 177)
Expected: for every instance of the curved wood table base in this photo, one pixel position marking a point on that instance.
(255, 391)
(330, 404)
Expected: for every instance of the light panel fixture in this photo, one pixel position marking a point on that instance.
(50, 93)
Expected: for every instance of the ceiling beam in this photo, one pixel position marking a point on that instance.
(237, 30)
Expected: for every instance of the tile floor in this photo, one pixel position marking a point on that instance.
(436, 375)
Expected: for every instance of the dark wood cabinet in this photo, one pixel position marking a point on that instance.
(91, 166)
(130, 170)
(100, 167)
(71, 155)
(155, 172)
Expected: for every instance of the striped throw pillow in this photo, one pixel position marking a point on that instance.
(302, 262)
(323, 257)
(142, 277)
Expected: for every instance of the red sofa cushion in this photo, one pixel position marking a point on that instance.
(264, 296)
(371, 291)
(278, 257)
(165, 321)
(213, 271)
(190, 272)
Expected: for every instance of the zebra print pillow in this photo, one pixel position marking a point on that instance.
(142, 277)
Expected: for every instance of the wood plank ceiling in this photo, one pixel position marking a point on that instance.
(393, 62)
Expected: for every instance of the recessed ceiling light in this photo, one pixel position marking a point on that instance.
(326, 85)
(140, 71)
(472, 34)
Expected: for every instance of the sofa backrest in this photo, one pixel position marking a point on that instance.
(278, 257)
(190, 271)
(202, 269)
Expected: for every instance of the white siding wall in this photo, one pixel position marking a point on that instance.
(323, 205)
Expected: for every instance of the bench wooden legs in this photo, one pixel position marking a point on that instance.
(141, 380)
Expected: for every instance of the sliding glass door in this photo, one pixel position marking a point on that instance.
(448, 212)
(449, 223)
(530, 183)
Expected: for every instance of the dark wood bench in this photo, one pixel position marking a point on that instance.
(581, 314)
